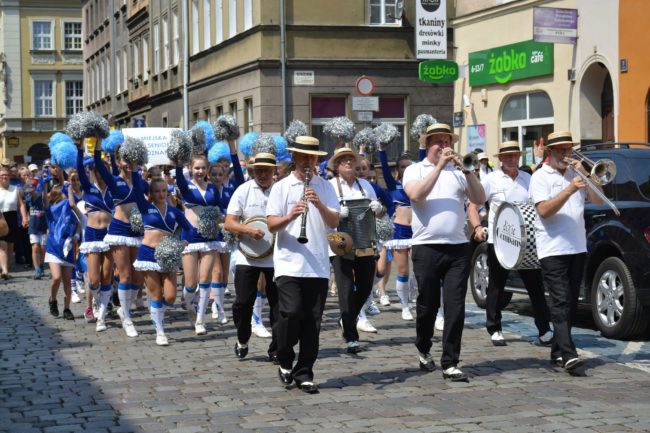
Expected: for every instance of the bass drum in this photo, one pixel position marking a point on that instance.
(514, 236)
(257, 249)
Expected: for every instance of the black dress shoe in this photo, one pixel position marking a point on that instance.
(455, 375)
(354, 348)
(308, 387)
(273, 359)
(285, 378)
(241, 351)
(426, 363)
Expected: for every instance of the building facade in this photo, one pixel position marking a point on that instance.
(42, 74)
(516, 88)
(236, 53)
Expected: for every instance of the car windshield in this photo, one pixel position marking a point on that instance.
(640, 168)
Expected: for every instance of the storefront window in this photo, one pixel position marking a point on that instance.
(515, 108)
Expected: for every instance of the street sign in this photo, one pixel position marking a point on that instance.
(364, 116)
(438, 71)
(555, 25)
(365, 86)
(139, 123)
(365, 103)
(459, 119)
(303, 78)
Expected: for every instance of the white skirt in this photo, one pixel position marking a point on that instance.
(94, 247)
(116, 240)
(398, 244)
(201, 247)
(142, 265)
(50, 258)
(223, 247)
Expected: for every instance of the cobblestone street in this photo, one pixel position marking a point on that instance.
(59, 376)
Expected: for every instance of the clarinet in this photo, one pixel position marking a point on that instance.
(303, 223)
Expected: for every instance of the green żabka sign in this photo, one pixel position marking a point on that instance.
(438, 71)
(501, 65)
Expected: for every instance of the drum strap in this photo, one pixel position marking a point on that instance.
(338, 184)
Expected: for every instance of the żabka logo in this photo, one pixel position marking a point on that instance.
(430, 5)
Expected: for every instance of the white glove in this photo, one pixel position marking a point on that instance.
(345, 211)
(376, 207)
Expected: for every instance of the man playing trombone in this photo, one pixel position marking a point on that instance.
(558, 190)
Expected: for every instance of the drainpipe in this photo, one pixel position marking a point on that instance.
(113, 77)
(283, 65)
(186, 63)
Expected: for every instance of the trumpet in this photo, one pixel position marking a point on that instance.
(602, 172)
(469, 162)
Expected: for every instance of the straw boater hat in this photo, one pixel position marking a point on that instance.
(559, 137)
(264, 160)
(508, 147)
(441, 128)
(340, 153)
(306, 144)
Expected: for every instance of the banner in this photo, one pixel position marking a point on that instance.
(431, 29)
(155, 139)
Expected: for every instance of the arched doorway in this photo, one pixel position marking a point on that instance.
(39, 152)
(596, 105)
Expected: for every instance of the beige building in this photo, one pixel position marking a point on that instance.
(521, 90)
(236, 57)
(43, 82)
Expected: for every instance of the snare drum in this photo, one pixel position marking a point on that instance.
(514, 236)
(257, 249)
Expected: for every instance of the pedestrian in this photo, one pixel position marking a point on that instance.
(11, 202)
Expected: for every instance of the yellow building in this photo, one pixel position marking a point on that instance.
(43, 49)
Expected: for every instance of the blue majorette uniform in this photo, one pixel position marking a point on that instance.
(224, 194)
(96, 201)
(166, 222)
(119, 232)
(402, 233)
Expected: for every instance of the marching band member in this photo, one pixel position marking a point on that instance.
(250, 200)
(507, 185)
(121, 238)
(99, 211)
(301, 269)
(440, 248)
(160, 221)
(200, 254)
(354, 273)
(559, 195)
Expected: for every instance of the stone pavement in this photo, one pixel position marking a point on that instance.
(59, 376)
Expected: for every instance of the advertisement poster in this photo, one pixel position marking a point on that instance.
(156, 141)
(431, 29)
(475, 137)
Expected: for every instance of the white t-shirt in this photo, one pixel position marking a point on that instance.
(440, 218)
(563, 233)
(290, 257)
(246, 202)
(499, 188)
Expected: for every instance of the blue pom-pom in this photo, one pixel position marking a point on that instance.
(209, 133)
(219, 150)
(246, 143)
(58, 138)
(113, 141)
(280, 146)
(65, 155)
(286, 157)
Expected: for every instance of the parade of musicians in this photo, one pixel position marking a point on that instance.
(416, 215)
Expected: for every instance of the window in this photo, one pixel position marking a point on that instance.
(206, 24)
(218, 28)
(324, 108)
(165, 38)
(207, 115)
(176, 38)
(195, 117)
(74, 97)
(42, 35)
(232, 18)
(233, 110)
(248, 115)
(392, 110)
(164, 122)
(136, 61)
(72, 36)
(156, 49)
(219, 110)
(108, 76)
(248, 14)
(527, 106)
(118, 73)
(102, 80)
(195, 26)
(43, 98)
(385, 11)
(125, 69)
(145, 57)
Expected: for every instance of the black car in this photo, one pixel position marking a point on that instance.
(617, 271)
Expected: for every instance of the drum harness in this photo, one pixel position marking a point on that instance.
(358, 252)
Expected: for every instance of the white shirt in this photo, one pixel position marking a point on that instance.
(291, 258)
(500, 187)
(249, 200)
(563, 233)
(440, 218)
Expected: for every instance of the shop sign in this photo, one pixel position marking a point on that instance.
(507, 63)
(438, 71)
(430, 29)
(13, 141)
(555, 25)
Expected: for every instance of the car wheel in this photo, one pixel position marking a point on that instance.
(479, 274)
(615, 307)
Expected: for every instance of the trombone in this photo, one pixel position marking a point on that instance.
(602, 172)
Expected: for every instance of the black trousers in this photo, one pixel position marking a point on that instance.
(246, 278)
(300, 303)
(354, 280)
(434, 264)
(532, 279)
(22, 247)
(562, 278)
